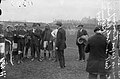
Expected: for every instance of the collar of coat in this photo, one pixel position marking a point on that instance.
(59, 28)
(80, 30)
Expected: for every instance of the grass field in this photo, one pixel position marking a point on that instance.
(48, 69)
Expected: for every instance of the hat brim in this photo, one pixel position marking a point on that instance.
(80, 26)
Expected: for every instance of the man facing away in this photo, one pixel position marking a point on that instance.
(96, 47)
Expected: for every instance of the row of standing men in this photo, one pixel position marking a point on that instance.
(35, 39)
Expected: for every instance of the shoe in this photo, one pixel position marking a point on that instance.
(50, 59)
(59, 67)
(63, 67)
(21, 61)
(25, 57)
(54, 60)
(18, 62)
(6, 63)
(32, 59)
(40, 60)
(78, 59)
(83, 60)
(45, 58)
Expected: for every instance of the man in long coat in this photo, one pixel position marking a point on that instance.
(21, 43)
(47, 41)
(8, 43)
(35, 35)
(61, 44)
(96, 47)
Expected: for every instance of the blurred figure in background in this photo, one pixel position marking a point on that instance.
(81, 40)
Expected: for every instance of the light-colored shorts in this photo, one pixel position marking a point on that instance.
(2, 47)
(15, 45)
(45, 44)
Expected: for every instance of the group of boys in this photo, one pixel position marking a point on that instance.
(20, 39)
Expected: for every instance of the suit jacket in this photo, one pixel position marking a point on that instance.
(61, 39)
(21, 32)
(47, 36)
(36, 37)
(9, 35)
(81, 33)
(15, 36)
(96, 46)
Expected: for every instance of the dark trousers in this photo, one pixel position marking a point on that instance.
(39, 48)
(34, 49)
(7, 58)
(81, 52)
(20, 57)
(26, 50)
(61, 58)
(94, 76)
(21, 48)
(56, 55)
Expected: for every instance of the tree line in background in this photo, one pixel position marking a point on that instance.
(88, 23)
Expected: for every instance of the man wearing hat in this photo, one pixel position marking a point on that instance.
(8, 43)
(96, 47)
(27, 40)
(35, 35)
(21, 43)
(81, 40)
(61, 44)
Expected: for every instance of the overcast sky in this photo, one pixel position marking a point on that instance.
(48, 10)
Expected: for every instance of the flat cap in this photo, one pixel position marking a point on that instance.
(59, 23)
(80, 25)
(98, 28)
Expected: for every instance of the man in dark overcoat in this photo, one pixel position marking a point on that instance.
(81, 41)
(47, 41)
(61, 44)
(21, 43)
(99, 48)
(15, 42)
(27, 43)
(35, 41)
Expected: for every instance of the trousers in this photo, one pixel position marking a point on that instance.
(61, 58)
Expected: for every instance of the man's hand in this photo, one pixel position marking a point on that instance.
(1, 35)
(56, 48)
(21, 36)
(84, 37)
